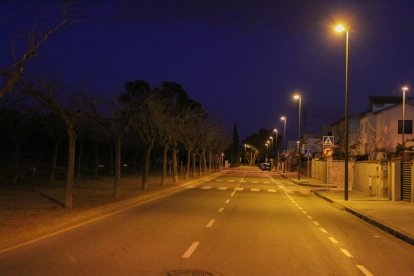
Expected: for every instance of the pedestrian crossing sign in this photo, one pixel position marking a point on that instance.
(328, 141)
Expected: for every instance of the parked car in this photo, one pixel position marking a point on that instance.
(265, 166)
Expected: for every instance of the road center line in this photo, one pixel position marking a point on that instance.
(333, 240)
(190, 250)
(323, 230)
(365, 270)
(210, 223)
(346, 253)
(221, 210)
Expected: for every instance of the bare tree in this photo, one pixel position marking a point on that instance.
(43, 91)
(13, 73)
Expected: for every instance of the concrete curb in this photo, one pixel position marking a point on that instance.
(101, 212)
(375, 222)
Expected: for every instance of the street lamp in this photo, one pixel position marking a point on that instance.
(404, 89)
(277, 147)
(342, 28)
(297, 97)
(271, 144)
(284, 119)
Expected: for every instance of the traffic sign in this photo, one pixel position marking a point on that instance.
(328, 141)
(328, 151)
(308, 153)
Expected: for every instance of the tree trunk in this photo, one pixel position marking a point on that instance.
(200, 164)
(17, 152)
(187, 166)
(80, 155)
(175, 165)
(194, 165)
(70, 167)
(204, 162)
(209, 161)
(117, 175)
(145, 173)
(54, 159)
(164, 164)
(96, 166)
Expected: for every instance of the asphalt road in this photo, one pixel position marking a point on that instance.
(243, 222)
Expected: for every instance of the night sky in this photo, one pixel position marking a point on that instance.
(242, 60)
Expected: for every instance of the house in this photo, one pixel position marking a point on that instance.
(380, 128)
(338, 131)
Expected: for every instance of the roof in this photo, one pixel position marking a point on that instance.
(385, 99)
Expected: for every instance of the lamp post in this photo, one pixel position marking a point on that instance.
(404, 89)
(341, 28)
(297, 97)
(267, 148)
(277, 147)
(284, 119)
(245, 154)
(271, 144)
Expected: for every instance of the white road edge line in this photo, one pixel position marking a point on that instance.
(190, 250)
(221, 210)
(346, 253)
(365, 270)
(210, 223)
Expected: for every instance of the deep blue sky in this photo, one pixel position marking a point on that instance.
(241, 59)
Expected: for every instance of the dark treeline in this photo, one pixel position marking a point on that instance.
(51, 133)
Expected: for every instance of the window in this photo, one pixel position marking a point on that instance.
(408, 127)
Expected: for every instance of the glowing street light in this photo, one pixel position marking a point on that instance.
(341, 29)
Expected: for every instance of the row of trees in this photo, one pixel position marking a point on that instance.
(143, 115)
(163, 117)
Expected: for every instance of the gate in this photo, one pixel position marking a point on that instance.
(406, 181)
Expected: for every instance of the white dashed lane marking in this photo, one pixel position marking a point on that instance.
(210, 223)
(271, 190)
(221, 210)
(346, 253)
(255, 190)
(190, 250)
(206, 187)
(365, 270)
(333, 240)
(222, 188)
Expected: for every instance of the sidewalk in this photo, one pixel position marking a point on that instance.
(394, 217)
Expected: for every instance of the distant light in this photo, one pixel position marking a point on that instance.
(405, 89)
(275, 130)
(283, 118)
(296, 97)
(340, 28)
(270, 137)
